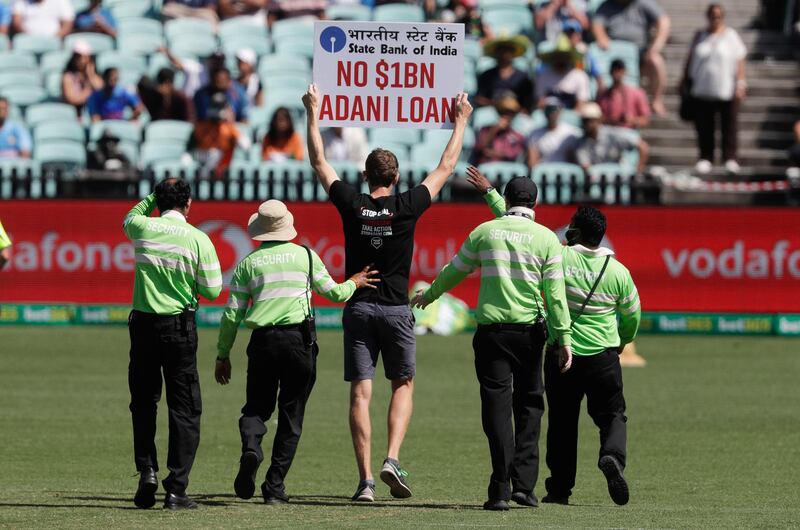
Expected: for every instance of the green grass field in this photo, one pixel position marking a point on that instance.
(714, 439)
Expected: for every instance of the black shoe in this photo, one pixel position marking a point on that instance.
(273, 498)
(525, 499)
(552, 499)
(617, 486)
(146, 492)
(177, 502)
(245, 483)
(496, 505)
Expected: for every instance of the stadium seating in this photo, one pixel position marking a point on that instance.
(54, 61)
(627, 51)
(100, 43)
(506, 20)
(59, 130)
(44, 112)
(37, 44)
(127, 131)
(140, 43)
(610, 173)
(398, 13)
(348, 12)
(17, 60)
(168, 131)
(555, 181)
(19, 77)
(406, 137)
(499, 173)
(284, 63)
(242, 26)
(61, 154)
(24, 94)
(298, 28)
(153, 152)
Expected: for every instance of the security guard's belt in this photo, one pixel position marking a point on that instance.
(507, 327)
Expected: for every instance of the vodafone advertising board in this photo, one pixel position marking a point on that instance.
(388, 74)
(682, 259)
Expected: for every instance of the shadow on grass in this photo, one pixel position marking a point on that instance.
(71, 506)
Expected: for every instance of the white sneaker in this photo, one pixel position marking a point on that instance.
(732, 166)
(703, 167)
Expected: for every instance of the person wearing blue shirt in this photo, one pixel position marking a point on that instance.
(15, 140)
(5, 18)
(221, 82)
(96, 19)
(110, 102)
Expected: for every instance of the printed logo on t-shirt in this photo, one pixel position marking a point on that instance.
(376, 242)
(376, 223)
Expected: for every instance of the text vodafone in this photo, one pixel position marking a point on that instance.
(736, 261)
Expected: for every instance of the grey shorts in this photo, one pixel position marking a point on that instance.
(371, 329)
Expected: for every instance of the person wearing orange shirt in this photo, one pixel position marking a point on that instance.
(282, 142)
(216, 138)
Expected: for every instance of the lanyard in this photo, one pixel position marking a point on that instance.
(520, 214)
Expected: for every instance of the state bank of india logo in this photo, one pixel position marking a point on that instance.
(232, 243)
(332, 39)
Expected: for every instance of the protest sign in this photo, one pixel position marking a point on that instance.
(383, 74)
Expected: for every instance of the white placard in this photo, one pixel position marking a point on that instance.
(388, 74)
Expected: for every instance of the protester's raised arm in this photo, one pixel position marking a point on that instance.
(316, 149)
(447, 164)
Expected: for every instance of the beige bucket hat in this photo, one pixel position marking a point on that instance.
(273, 222)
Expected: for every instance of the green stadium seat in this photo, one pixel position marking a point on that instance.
(123, 61)
(627, 51)
(100, 43)
(508, 20)
(438, 140)
(570, 117)
(296, 83)
(406, 137)
(17, 61)
(139, 43)
(128, 131)
(59, 130)
(5, 44)
(473, 49)
(398, 13)
(483, 117)
(548, 175)
(284, 178)
(20, 166)
(44, 112)
(489, 4)
(348, 12)
(54, 61)
(52, 85)
(283, 64)
(61, 152)
(131, 150)
(24, 95)
(539, 119)
(180, 27)
(174, 168)
(258, 115)
(294, 46)
(401, 151)
(131, 9)
(140, 26)
(293, 28)
(523, 124)
(37, 44)
(242, 26)
(592, 6)
(168, 131)
(19, 77)
(153, 152)
(499, 173)
(232, 44)
(195, 45)
(612, 174)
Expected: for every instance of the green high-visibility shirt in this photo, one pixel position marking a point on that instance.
(174, 261)
(270, 288)
(519, 259)
(616, 297)
(5, 241)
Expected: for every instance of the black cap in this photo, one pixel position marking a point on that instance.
(521, 190)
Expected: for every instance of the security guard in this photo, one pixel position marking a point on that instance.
(600, 291)
(519, 259)
(277, 278)
(174, 263)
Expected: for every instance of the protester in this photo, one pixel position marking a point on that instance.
(80, 78)
(163, 335)
(379, 230)
(204, 9)
(111, 101)
(15, 140)
(50, 18)
(282, 142)
(96, 19)
(521, 274)
(715, 70)
(248, 80)
(602, 144)
(283, 346)
(561, 75)
(505, 77)
(216, 138)
(500, 142)
(632, 21)
(553, 142)
(221, 82)
(623, 105)
(346, 144)
(162, 100)
(551, 16)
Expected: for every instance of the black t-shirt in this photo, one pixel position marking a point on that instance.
(380, 232)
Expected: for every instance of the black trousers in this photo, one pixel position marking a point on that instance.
(282, 368)
(599, 377)
(794, 155)
(705, 125)
(168, 344)
(509, 367)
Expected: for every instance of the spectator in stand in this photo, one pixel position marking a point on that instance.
(215, 138)
(196, 74)
(465, 12)
(623, 105)
(80, 78)
(248, 81)
(283, 9)
(632, 20)
(505, 77)
(5, 19)
(110, 102)
(162, 100)
(574, 32)
(346, 144)
(553, 142)
(551, 16)
(794, 153)
(52, 18)
(15, 140)
(282, 142)
(205, 9)
(255, 10)
(221, 82)
(499, 142)
(602, 144)
(715, 71)
(561, 75)
(107, 158)
(96, 19)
